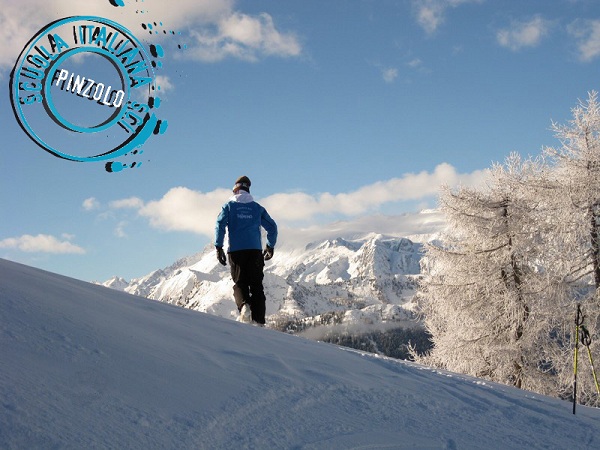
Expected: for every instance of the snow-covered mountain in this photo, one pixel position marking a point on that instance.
(85, 367)
(371, 279)
(118, 283)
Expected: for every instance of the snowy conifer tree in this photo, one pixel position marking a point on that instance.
(485, 298)
(501, 290)
(578, 178)
(576, 219)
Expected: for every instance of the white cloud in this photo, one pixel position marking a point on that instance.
(389, 75)
(587, 33)
(42, 243)
(120, 229)
(431, 14)
(370, 198)
(415, 63)
(19, 21)
(127, 203)
(183, 209)
(244, 37)
(418, 66)
(423, 224)
(90, 204)
(218, 30)
(524, 34)
(164, 83)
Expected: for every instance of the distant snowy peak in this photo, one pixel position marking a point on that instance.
(187, 261)
(149, 285)
(382, 257)
(334, 243)
(373, 256)
(145, 285)
(116, 283)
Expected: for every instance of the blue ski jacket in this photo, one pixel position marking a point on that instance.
(243, 217)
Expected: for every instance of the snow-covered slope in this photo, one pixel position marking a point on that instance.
(373, 278)
(83, 366)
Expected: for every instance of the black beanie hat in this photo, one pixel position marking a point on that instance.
(243, 183)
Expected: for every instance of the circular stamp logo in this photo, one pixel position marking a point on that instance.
(84, 89)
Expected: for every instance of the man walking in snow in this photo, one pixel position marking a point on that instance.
(243, 219)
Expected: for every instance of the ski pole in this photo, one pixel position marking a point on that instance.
(578, 323)
(587, 341)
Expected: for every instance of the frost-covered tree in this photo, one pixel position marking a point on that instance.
(501, 288)
(575, 250)
(577, 203)
(485, 297)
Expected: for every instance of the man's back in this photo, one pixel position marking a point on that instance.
(243, 218)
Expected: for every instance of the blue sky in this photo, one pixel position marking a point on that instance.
(345, 114)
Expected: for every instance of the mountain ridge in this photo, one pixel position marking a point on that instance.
(372, 278)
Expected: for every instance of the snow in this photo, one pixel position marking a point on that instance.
(84, 366)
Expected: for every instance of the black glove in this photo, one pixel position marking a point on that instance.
(221, 256)
(268, 253)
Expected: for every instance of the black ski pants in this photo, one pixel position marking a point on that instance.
(247, 274)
